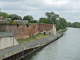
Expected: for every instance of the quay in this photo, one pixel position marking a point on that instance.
(23, 49)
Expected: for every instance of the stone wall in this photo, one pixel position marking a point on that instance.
(23, 31)
(47, 28)
(44, 27)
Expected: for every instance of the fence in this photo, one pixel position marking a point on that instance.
(6, 34)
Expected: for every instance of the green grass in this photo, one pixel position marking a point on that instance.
(61, 30)
(33, 38)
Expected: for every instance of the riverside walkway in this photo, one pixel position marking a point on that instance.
(15, 49)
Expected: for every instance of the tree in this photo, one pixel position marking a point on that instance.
(58, 24)
(52, 17)
(44, 20)
(75, 24)
(34, 21)
(63, 23)
(4, 15)
(28, 17)
(13, 16)
(69, 24)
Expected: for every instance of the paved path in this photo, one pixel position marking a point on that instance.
(13, 50)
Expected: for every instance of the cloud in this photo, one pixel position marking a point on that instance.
(68, 9)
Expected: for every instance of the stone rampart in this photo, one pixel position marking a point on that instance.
(22, 31)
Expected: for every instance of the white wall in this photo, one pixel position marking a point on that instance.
(53, 30)
(6, 42)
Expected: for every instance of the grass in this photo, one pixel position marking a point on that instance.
(61, 30)
(33, 38)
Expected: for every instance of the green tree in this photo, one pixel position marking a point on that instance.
(58, 24)
(75, 24)
(63, 23)
(44, 20)
(29, 18)
(69, 24)
(34, 21)
(5, 15)
(12, 16)
(52, 17)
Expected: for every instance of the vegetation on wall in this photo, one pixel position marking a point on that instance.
(18, 25)
(27, 24)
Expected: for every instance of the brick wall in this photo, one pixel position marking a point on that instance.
(20, 32)
(44, 27)
(23, 31)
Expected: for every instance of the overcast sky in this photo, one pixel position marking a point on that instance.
(68, 9)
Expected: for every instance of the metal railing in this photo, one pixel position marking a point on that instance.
(6, 34)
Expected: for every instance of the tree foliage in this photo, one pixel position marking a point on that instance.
(52, 17)
(5, 15)
(29, 18)
(15, 17)
(75, 24)
(34, 21)
(44, 20)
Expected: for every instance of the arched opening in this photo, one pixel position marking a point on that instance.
(49, 32)
(44, 32)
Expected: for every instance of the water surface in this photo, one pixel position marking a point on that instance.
(65, 48)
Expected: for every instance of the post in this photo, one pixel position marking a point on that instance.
(22, 50)
(13, 41)
(0, 12)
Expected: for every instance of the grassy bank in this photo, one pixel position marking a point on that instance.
(33, 38)
(37, 37)
(61, 30)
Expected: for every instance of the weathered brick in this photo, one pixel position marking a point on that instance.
(23, 31)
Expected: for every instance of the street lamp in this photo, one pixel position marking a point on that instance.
(0, 14)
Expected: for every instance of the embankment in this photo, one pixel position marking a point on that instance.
(18, 52)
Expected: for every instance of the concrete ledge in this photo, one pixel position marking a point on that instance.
(2, 34)
(6, 42)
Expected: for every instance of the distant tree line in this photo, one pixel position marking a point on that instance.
(51, 18)
(75, 24)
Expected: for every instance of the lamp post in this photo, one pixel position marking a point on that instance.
(22, 50)
(0, 14)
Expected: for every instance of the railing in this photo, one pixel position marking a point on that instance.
(17, 21)
(6, 34)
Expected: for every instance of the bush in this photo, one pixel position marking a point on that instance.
(27, 24)
(7, 22)
(10, 21)
(14, 22)
(18, 25)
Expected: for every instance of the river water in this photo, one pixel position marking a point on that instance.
(65, 48)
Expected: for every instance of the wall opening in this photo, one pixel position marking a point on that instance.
(49, 32)
(44, 33)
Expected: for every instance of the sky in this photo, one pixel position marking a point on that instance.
(68, 9)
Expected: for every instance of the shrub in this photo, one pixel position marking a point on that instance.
(14, 22)
(27, 24)
(10, 21)
(18, 25)
(7, 22)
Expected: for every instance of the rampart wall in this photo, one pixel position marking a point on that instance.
(22, 31)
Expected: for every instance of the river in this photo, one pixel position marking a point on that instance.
(65, 48)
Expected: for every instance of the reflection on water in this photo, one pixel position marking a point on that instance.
(65, 48)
